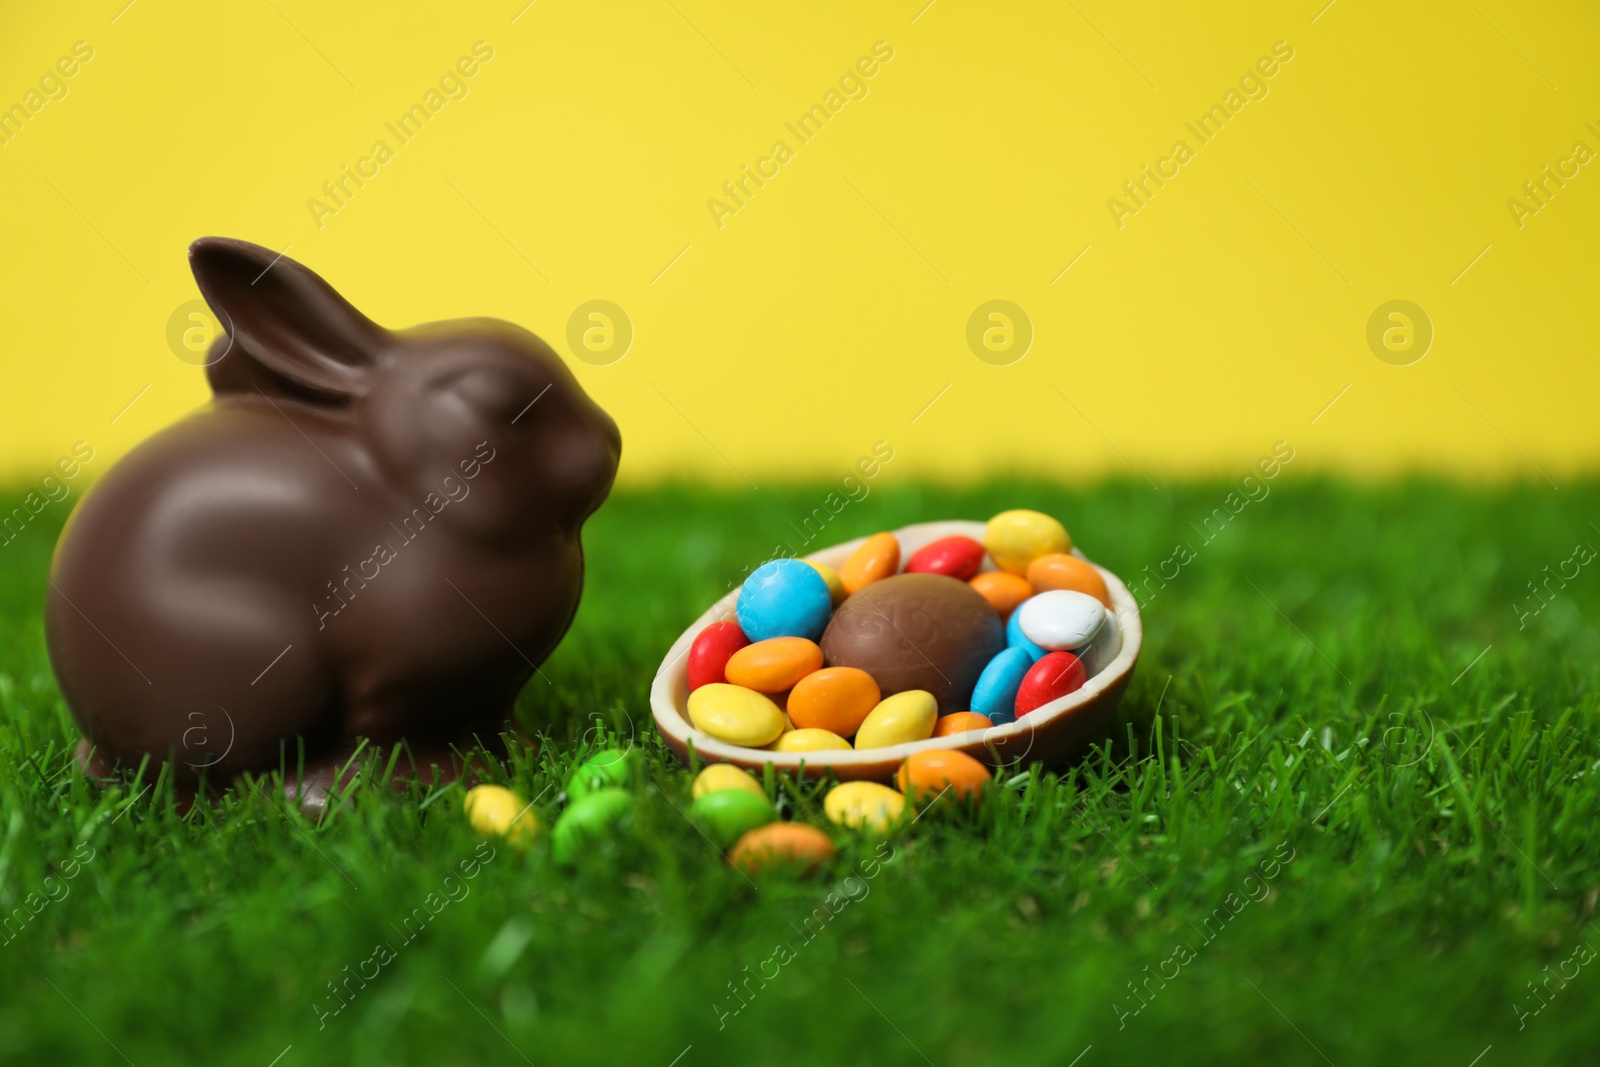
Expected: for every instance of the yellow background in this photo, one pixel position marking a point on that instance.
(832, 308)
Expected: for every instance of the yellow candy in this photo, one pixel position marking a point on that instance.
(495, 811)
(864, 805)
(1015, 539)
(735, 714)
(836, 588)
(723, 777)
(907, 716)
(809, 740)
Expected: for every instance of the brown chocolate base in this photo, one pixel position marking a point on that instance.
(314, 789)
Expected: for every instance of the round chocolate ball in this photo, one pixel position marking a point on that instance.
(917, 631)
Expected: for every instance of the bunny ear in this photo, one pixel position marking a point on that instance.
(286, 326)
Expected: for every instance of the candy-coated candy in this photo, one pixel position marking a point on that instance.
(708, 656)
(956, 557)
(588, 820)
(735, 714)
(907, 716)
(926, 775)
(960, 722)
(773, 665)
(1052, 678)
(1061, 619)
(729, 814)
(720, 776)
(877, 558)
(836, 587)
(834, 698)
(864, 805)
(784, 598)
(1103, 648)
(809, 739)
(1017, 538)
(612, 766)
(1062, 570)
(995, 695)
(495, 811)
(781, 846)
(1003, 591)
(1015, 638)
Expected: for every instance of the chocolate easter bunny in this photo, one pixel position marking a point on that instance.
(368, 534)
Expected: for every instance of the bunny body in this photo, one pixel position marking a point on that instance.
(369, 534)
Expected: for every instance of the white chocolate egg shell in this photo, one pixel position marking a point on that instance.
(1050, 735)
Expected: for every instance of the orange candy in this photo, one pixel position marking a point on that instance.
(924, 775)
(1059, 570)
(834, 698)
(773, 665)
(779, 845)
(1003, 591)
(876, 559)
(959, 722)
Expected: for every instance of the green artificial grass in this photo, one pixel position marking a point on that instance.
(1330, 827)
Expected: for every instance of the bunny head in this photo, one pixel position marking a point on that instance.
(427, 399)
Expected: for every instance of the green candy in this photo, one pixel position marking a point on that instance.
(588, 820)
(727, 814)
(607, 768)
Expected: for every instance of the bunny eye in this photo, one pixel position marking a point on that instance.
(494, 393)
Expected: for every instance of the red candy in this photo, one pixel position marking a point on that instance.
(708, 656)
(1052, 678)
(956, 557)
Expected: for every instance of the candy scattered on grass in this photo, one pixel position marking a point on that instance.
(871, 806)
(924, 776)
(495, 811)
(588, 821)
(728, 814)
(608, 767)
(782, 846)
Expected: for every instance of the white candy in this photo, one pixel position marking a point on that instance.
(1100, 651)
(1061, 620)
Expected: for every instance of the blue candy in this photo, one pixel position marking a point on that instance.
(995, 695)
(784, 598)
(1015, 639)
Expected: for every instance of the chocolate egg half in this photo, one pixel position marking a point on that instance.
(917, 631)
